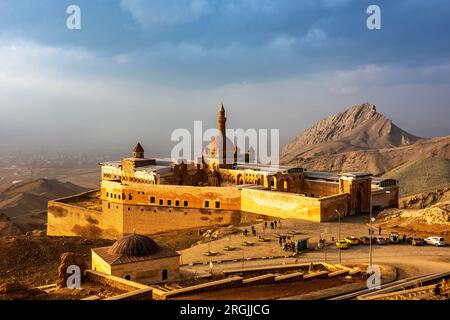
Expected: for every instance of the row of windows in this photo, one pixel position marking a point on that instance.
(168, 202)
(116, 196)
(177, 203)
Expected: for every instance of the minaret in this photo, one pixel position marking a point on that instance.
(222, 128)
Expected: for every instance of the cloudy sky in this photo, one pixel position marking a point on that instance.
(138, 69)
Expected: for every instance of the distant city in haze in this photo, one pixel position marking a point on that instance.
(137, 70)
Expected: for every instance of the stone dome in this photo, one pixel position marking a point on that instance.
(215, 147)
(134, 246)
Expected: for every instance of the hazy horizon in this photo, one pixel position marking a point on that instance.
(137, 70)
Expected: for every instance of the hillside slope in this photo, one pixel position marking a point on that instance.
(25, 204)
(426, 174)
(377, 162)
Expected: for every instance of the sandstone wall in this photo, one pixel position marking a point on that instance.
(149, 271)
(329, 205)
(320, 188)
(386, 200)
(280, 205)
(64, 219)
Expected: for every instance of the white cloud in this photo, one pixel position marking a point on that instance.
(283, 42)
(314, 37)
(160, 13)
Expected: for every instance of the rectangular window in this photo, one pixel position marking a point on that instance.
(161, 202)
(107, 194)
(177, 203)
(217, 204)
(206, 204)
(152, 199)
(169, 202)
(186, 204)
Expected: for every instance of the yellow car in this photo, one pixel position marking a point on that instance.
(352, 240)
(342, 244)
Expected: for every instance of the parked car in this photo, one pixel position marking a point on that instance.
(364, 240)
(415, 241)
(435, 241)
(380, 240)
(394, 237)
(352, 240)
(342, 244)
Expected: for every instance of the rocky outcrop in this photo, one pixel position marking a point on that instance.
(69, 259)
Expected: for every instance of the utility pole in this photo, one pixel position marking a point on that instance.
(372, 219)
(370, 236)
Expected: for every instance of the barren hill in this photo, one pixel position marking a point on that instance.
(425, 174)
(48, 188)
(25, 204)
(8, 228)
(360, 139)
(360, 127)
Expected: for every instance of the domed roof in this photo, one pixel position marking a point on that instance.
(216, 145)
(134, 246)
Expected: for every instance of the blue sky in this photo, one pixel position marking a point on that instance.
(139, 69)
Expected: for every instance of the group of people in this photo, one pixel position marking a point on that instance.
(273, 224)
(253, 231)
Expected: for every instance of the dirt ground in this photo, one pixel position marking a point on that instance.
(33, 260)
(88, 290)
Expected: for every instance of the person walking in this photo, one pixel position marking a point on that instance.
(379, 230)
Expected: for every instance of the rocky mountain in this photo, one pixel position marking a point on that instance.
(361, 139)
(360, 127)
(24, 205)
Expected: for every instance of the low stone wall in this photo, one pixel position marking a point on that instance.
(220, 284)
(114, 282)
(142, 294)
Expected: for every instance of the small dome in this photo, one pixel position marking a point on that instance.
(134, 246)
